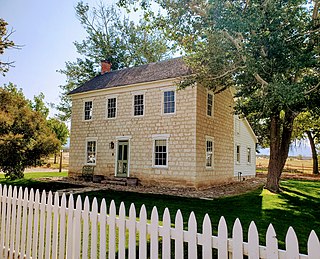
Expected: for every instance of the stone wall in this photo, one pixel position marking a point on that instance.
(180, 127)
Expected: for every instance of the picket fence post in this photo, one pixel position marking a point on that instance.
(112, 230)
(192, 236)
(85, 234)
(132, 231)
(103, 223)
(165, 233)
(28, 215)
(178, 230)
(62, 229)
(94, 228)
(253, 241)
(154, 236)
(142, 228)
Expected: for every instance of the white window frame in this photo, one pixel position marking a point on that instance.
(212, 105)
(168, 89)
(144, 103)
(107, 101)
(160, 137)
(238, 161)
(249, 155)
(209, 138)
(91, 139)
(84, 110)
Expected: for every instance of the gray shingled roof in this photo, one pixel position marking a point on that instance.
(166, 69)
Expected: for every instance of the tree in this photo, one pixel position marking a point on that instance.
(60, 130)
(24, 134)
(38, 105)
(5, 43)
(307, 125)
(268, 50)
(121, 41)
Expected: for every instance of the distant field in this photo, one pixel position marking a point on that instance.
(292, 164)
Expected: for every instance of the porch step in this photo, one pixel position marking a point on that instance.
(115, 181)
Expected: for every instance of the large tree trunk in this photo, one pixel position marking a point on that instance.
(314, 153)
(280, 138)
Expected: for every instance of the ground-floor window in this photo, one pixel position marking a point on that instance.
(91, 151)
(238, 153)
(160, 150)
(209, 152)
(249, 155)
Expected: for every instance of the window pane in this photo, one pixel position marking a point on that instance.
(138, 105)
(91, 152)
(238, 153)
(209, 104)
(249, 155)
(88, 110)
(209, 148)
(160, 153)
(169, 102)
(112, 104)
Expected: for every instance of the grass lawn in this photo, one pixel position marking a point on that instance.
(30, 181)
(297, 206)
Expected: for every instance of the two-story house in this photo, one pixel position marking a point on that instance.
(134, 122)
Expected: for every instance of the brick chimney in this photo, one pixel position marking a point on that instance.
(105, 66)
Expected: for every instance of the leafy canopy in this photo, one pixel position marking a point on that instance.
(24, 134)
(109, 36)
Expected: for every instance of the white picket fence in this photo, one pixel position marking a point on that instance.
(48, 227)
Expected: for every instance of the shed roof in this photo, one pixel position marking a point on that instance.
(171, 68)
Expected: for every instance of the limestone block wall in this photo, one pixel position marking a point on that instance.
(220, 128)
(180, 127)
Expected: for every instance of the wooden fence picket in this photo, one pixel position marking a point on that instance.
(94, 228)
(165, 233)
(27, 236)
(18, 224)
(292, 246)
(132, 232)
(142, 228)
(23, 240)
(112, 230)
(55, 227)
(313, 246)
(42, 223)
(77, 228)
(179, 236)
(122, 232)
(4, 194)
(206, 237)
(222, 239)
(271, 243)
(154, 234)
(62, 227)
(103, 223)
(8, 221)
(85, 235)
(192, 236)
(36, 225)
(48, 228)
(253, 241)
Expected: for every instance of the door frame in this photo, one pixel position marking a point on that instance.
(122, 138)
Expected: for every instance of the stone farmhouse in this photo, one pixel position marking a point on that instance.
(134, 122)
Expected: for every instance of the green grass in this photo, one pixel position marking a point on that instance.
(30, 181)
(297, 206)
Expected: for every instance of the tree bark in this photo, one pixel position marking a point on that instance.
(280, 138)
(314, 153)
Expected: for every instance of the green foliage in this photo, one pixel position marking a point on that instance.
(24, 134)
(307, 121)
(38, 105)
(5, 43)
(60, 130)
(111, 37)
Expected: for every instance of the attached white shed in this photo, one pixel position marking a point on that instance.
(245, 148)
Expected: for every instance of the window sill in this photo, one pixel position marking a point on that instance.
(159, 167)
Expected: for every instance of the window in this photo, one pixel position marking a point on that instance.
(88, 110)
(91, 152)
(112, 107)
(160, 150)
(138, 105)
(168, 102)
(209, 104)
(238, 154)
(249, 155)
(209, 153)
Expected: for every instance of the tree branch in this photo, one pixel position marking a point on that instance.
(260, 79)
(312, 89)
(227, 72)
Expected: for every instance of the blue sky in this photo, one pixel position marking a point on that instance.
(47, 30)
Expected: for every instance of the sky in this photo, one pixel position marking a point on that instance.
(46, 29)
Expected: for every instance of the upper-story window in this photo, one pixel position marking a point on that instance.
(209, 104)
(112, 107)
(88, 110)
(169, 102)
(138, 105)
